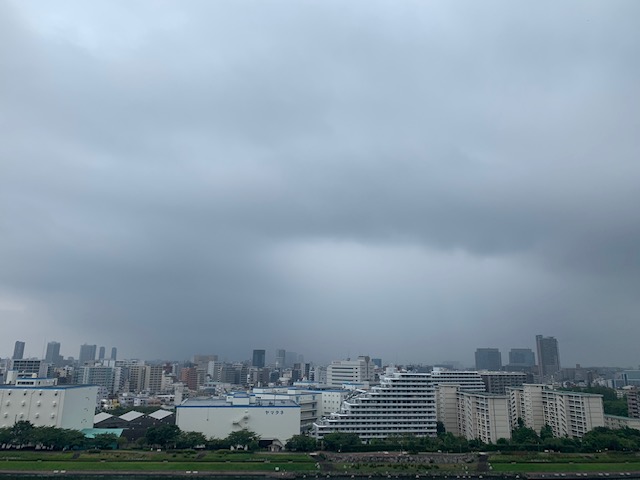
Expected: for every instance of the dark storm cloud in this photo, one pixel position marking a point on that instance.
(331, 178)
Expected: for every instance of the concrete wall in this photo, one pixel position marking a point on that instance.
(269, 422)
(48, 406)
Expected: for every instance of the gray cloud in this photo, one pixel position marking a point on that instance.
(411, 182)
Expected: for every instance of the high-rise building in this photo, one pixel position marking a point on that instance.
(521, 358)
(114, 353)
(473, 415)
(488, 359)
(548, 355)
(633, 403)
(290, 359)
(569, 414)
(101, 353)
(259, 358)
(18, 350)
(341, 372)
(52, 355)
(97, 375)
(469, 381)
(497, 382)
(87, 354)
(281, 355)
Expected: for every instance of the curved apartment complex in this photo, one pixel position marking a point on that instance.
(403, 403)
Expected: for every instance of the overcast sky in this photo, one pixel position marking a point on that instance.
(410, 180)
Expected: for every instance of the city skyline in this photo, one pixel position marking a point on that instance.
(523, 357)
(410, 182)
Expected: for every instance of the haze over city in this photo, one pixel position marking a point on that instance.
(408, 180)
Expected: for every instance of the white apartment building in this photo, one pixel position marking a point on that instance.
(484, 416)
(569, 414)
(474, 415)
(46, 405)
(218, 417)
(23, 367)
(613, 421)
(469, 380)
(331, 401)
(403, 403)
(360, 371)
(498, 382)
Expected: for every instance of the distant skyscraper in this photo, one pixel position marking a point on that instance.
(101, 353)
(258, 358)
(488, 359)
(280, 358)
(290, 358)
(53, 353)
(114, 353)
(18, 350)
(521, 357)
(548, 355)
(87, 354)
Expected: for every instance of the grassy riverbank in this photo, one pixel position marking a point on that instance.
(302, 464)
(565, 463)
(155, 461)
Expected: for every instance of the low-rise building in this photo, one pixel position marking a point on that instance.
(46, 405)
(616, 422)
(218, 417)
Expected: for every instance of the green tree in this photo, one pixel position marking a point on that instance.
(452, 443)
(191, 440)
(341, 441)
(45, 437)
(546, 432)
(217, 444)
(301, 443)
(70, 439)
(522, 435)
(162, 435)
(6, 435)
(21, 432)
(244, 438)
(104, 441)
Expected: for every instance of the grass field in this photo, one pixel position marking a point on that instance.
(154, 466)
(207, 461)
(565, 467)
(556, 462)
(154, 461)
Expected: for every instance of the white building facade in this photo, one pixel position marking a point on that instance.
(360, 371)
(403, 403)
(570, 414)
(45, 405)
(474, 415)
(218, 417)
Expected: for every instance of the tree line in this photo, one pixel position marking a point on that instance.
(522, 439)
(25, 435)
